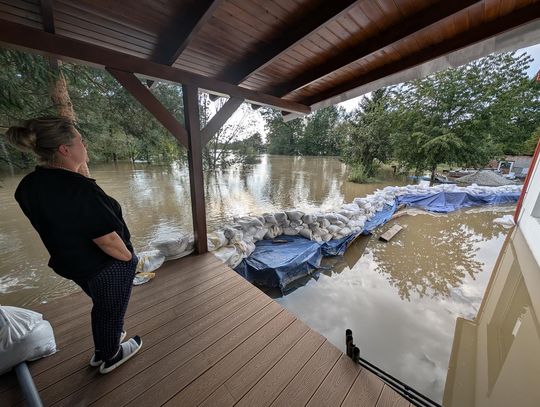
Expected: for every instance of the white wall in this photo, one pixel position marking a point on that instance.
(528, 222)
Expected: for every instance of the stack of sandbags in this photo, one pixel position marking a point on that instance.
(237, 240)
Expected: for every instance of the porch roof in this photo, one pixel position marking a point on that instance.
(290, 54)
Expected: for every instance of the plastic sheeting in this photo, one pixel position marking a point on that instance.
(444, 202)
(277, 264)
(380, 218)
(24, 336)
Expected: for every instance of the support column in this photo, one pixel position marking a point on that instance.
(196, 180)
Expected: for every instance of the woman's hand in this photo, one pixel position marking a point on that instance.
(114, 246)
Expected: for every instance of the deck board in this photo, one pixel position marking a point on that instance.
(209, 338)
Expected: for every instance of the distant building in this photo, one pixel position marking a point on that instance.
(517, 164)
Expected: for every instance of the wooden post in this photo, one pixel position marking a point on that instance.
(196, 181)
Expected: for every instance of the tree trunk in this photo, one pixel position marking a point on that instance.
(60, 97)
(432, 179)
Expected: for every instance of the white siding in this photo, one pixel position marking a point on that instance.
(529, 219)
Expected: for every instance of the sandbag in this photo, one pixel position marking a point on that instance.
(232, 234)
(309, 219)
(149, 261)
(228, 255)
(24, 336)
(269, 218)
(174, 247)
(281, 218)
(216, 239)
(294, 215)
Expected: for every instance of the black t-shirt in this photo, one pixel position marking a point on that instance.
(68, 210)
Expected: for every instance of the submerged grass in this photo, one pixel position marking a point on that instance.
(358, 175)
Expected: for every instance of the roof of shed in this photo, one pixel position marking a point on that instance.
(310, 52)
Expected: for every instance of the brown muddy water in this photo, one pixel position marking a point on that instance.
(401, 298)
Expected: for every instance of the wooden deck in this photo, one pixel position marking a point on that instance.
(209, 338)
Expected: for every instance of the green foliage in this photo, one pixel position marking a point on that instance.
(316, 134)
(359, 174)
(282, 137)
(465, 115)
(321, 135)
(368, 133)
(115, 125)
(530, 145)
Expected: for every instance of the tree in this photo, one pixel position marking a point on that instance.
(218, 152)
(368, 133)
(465, 115)
(115, 125)
(530, 145)
(283, 137)
(321, 135)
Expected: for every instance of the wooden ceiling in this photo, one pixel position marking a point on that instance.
(301, 51)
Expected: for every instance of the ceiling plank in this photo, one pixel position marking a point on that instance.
(402, 29)
(176, 38)
(508, 22)
(140, 92)
(31, 39)
(288, 37)
(219, 119)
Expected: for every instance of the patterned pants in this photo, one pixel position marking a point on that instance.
(109, 290)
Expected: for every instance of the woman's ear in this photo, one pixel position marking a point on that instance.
(63, 150)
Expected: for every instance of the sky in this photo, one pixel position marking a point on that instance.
(253, 122)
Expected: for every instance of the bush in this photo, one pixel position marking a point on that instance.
(358, 174)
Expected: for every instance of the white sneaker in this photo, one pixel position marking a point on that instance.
(128, 349)
(98, 362)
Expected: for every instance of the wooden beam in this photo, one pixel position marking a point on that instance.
(505, 23)
(47, 16)
(176, 38)
(219, 119)
(393, 34)
(196, 180)
(289, 36)
(31, 39)
(140, 92)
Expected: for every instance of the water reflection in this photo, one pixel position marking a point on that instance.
(495, 358)
(445, 252)
(402, 320)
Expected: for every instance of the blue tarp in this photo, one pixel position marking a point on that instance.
(380, 218)
(444, 202)
(278, 263)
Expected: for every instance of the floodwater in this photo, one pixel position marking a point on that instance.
(156, 203)
(401, 298)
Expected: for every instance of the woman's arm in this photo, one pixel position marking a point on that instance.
(114, 246)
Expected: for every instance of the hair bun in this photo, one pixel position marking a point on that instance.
(22, 138)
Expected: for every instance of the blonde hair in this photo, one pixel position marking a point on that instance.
(42, 136)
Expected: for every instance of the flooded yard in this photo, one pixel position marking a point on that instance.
(156, 204)
(400, 298)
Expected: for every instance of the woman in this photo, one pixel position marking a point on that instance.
(82, 229)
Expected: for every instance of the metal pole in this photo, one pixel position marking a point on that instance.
(28, 387)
